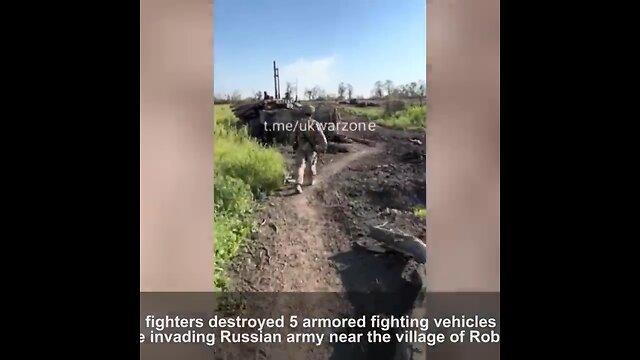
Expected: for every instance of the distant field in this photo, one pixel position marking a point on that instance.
(412, 118)
(371, 113)
(242, 170)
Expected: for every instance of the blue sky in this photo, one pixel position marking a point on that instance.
(318, 43)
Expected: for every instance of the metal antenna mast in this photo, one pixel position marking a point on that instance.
(276, 80)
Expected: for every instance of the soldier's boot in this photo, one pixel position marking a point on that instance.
(299, 188)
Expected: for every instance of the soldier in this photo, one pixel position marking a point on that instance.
(330, 118)
(336, 116)
(335, 120)
(308, 141)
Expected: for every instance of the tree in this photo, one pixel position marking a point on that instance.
(422, 88)
(377, 89)
(317, 92)
(236, 96)
(349, 91)
(388, 86)
(413, 89)
(308, 93)
(341, 89)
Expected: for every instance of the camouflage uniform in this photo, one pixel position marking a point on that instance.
(336, 120)
(308, 141)
(330, 117)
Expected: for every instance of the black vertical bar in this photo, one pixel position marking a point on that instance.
(275, 84)
(278, 72)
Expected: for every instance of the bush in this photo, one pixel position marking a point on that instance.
(410, 119)
(242, 169)
(370, 113)
(391, 107)
(420, 212)
(232, 195)
(240, 157)
(233, 204)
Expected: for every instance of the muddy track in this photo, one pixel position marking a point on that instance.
(294, 256)
(309, 242)
(311, 255)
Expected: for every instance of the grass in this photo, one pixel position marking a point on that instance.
(412, 118)
(244, 170)
(371, 113)
(420, 212)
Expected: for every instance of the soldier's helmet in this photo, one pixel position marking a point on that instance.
(308, 110)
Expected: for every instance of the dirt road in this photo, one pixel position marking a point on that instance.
(313, 242)
(311, 256)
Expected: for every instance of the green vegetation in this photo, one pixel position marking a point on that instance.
(243, 170)
(371, 113)
(420, 212)
(412, 118)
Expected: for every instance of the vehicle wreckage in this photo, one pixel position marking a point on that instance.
(271, 121)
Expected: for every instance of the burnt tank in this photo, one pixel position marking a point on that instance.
(272, 121)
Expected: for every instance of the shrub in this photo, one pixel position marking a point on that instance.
(233, 205)
(391, 107)
(420, 212)
(410, 119)
(242, 170)
(260, 167)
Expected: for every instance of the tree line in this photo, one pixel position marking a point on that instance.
(410, 90)
(381, 89)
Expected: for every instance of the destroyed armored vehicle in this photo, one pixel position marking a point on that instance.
(273, 120)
